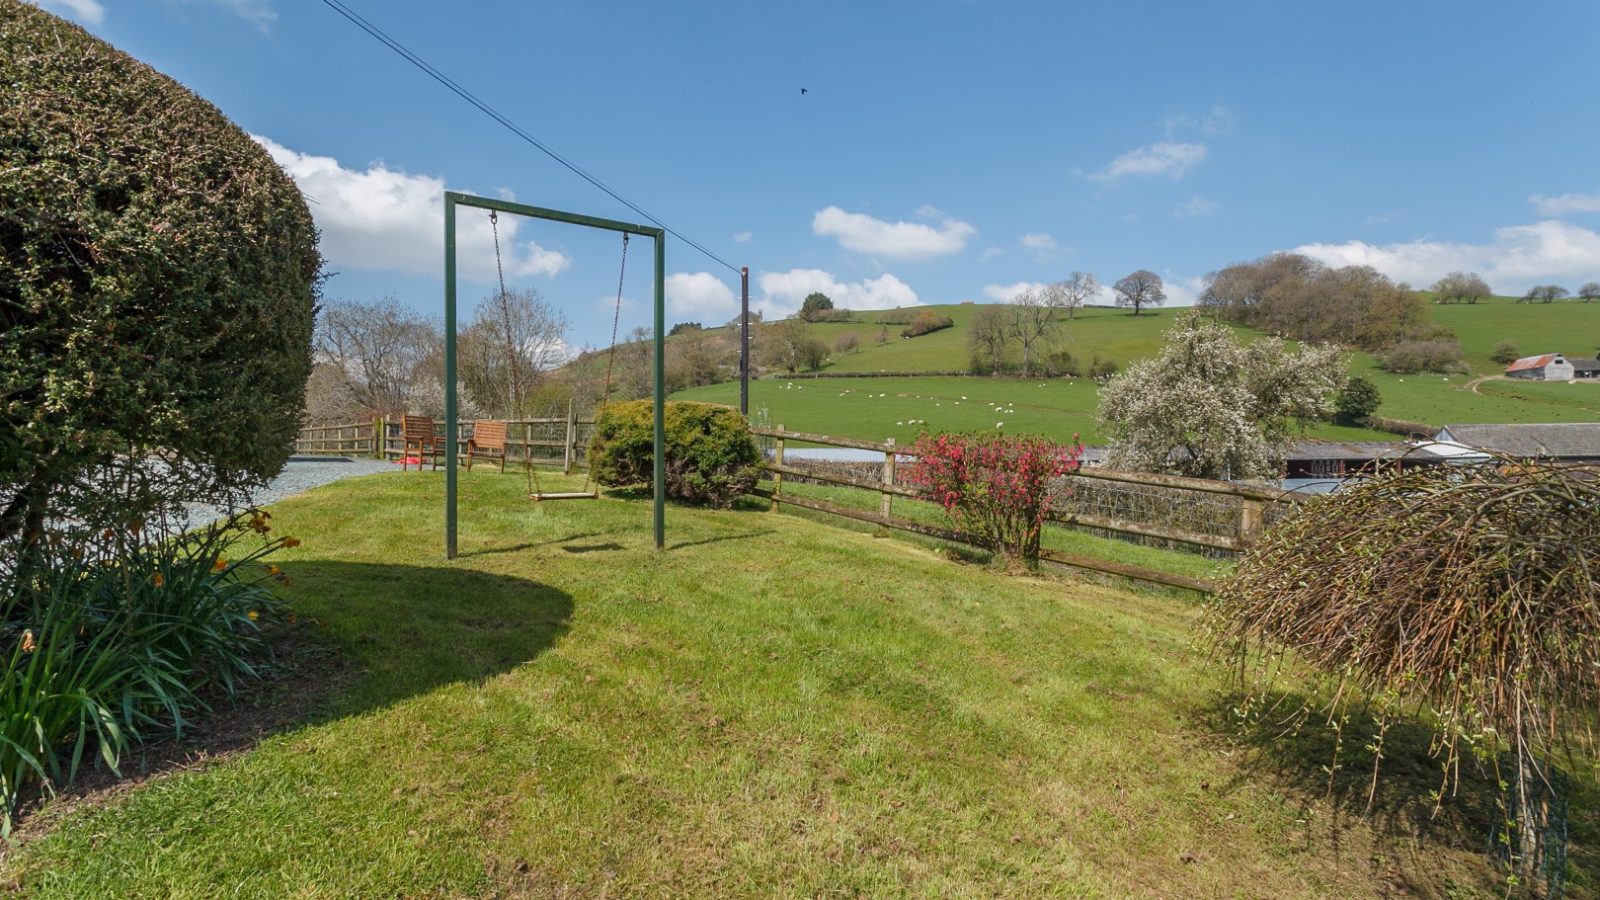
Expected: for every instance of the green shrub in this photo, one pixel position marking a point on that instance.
(926, 323)
(1409, 357)
(1505, 352)
(101, 649)
(710, 456)
(1357, 400)
(158, 279)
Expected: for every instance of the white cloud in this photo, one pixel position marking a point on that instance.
(382, 218)
(1180, 291)
(1197, 205)
(257, 12)
(786, 290)
(898, 240)
(990, 253)
(1565, 204)
(742, 237)
(1005, 293)
(1041, 242)
(1217, 120)
(929, 211)
(700, 294)
(1169, 158)
(89, 11)
(1517, 256)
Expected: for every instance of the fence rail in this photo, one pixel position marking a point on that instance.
(548, 440)
(1213, 515)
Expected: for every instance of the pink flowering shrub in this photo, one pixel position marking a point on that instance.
(995, 488)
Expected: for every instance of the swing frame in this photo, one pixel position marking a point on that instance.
(452, 425)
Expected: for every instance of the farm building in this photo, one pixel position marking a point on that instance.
(1559, 442)
(1585, 368)
(1548, 367)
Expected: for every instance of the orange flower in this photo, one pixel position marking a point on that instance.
(291, 542)
(158, 579)
(273, 570)
(219, 565)
(27, 641)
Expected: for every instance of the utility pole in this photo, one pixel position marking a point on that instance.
(744, 341)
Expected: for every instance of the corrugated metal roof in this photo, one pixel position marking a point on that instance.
(1532, 362)
(1562, 440)
(1360, 450)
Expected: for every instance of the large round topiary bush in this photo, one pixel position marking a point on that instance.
(710, 456)
(158, 283)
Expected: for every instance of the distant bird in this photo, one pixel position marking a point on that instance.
(803, 92)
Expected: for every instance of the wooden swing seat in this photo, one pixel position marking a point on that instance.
(571, 495)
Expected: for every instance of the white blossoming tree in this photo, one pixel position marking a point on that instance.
(1211, 407)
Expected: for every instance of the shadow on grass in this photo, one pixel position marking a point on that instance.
(367, 636)
(1313, 765)
(741, 536)
(608, 546)
(518, 548)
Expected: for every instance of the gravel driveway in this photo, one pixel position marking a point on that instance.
(301, 474)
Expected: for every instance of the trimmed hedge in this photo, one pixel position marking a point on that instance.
(158, 282)
(710, 456)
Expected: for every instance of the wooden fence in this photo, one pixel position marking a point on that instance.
(559, 441)
(1243, 509)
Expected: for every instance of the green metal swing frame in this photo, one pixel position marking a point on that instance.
(452, 427)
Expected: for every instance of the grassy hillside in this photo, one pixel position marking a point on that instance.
(1062, 407)
(772, 708)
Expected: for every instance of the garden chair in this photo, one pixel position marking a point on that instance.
(417, 431)
(488, 440)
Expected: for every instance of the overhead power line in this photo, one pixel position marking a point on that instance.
(455, 88)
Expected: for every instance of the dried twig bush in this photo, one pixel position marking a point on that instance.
(1464, 598)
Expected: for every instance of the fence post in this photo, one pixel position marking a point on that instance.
(886, 499)
(569, 448)
(380, 438)
(777, 477)
(1249, 521)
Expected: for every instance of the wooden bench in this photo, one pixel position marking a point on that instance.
(418, 431)
(488, 440)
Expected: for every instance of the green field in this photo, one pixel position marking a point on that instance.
(1059, 408)
(880, 408)
(774, 707)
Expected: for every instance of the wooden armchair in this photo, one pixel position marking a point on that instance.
(488, 440)
(417, 431)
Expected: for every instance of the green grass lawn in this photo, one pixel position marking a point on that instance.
(773, 707)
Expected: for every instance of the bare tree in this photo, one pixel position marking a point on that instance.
(1140, 289)
(1033, 321)
(989, 336)
(790, 345)
(515, 337)
(1589, 291)
(329, 396)
(384, 349)
(1461, 287)
(1077, 290)
(1543, 293)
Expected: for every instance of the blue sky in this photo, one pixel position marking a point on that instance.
(946, 149)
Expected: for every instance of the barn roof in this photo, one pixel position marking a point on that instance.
(1532, 362)
(1348, 450)
(1564, 440)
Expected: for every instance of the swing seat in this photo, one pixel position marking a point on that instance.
(571, 495)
